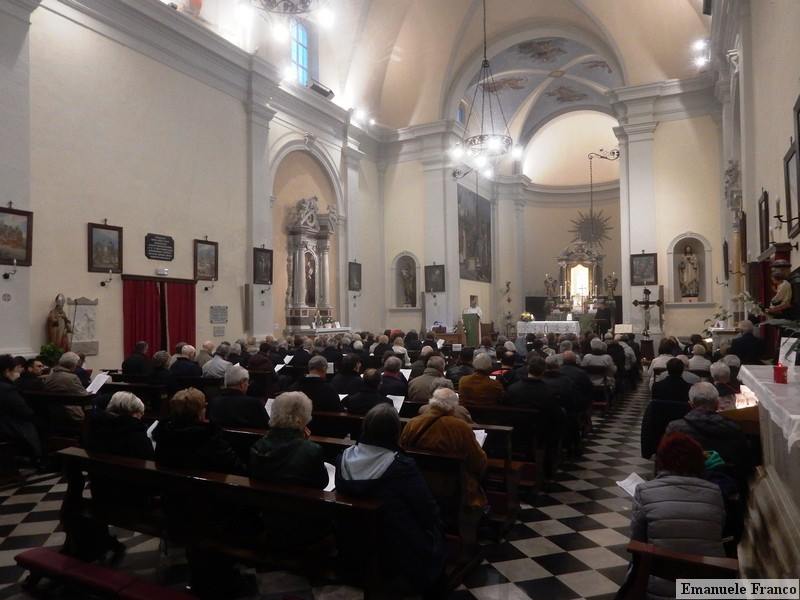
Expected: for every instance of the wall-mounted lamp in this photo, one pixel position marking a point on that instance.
(107, 280)
(208, 288)
(355, 295)
(266, 288)
(722, 283)
(12, 272)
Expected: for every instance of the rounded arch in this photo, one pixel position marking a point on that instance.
(400, 297)
(459, 78)
(529, 133)
(697, 242)
(689, 234)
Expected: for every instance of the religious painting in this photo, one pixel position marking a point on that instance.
(790, 174)
(726, 268)
(406, 282)
(262, 266)
(310, 269)
(16, 235)
(105, 248)
(353, 277)
(434, 279)
(206, 260)
(763, 221)
(743, 236)
(474, 236)
(644, 269)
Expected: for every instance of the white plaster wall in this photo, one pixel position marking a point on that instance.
(119, 136)
(772, 89)
(688, 194)
(371, 255)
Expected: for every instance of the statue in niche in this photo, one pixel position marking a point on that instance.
(689, 274)
(408, 281)
(58, 325)
(311, 279)
(549, 286)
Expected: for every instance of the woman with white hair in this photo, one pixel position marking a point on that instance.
(698, 361)
(119, 429)
(439, 430)
(721, 375)
(599, 357)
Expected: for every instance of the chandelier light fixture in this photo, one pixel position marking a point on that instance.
(287, 7)
(486, 138)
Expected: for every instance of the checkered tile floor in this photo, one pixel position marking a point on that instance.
(569, 544)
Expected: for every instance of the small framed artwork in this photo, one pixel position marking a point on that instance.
(434, 279)
(790, 174)
(262, 266)
(644, 269)
(206, 260)
(353, 277)
(743, 237)
(726, 269)
(105, 248)
(16, 236)
(763, 221)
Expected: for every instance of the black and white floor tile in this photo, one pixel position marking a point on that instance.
(568, 544)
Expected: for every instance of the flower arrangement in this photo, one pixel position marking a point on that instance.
(526, 317)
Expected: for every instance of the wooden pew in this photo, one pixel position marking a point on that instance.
(651, 560)
(207, 488)
(56, 429)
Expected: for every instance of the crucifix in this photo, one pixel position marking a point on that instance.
(646, 305)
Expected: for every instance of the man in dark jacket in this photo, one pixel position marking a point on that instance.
(581, 382)
(673, 387)
(261, 361)
(361, 402)
(392, 381)
(419, 389)
(233, 407)
(347, 380)
(323, 396)
(560, 384)
(462, 367)
(137, 363)
(302, 352)
(713, 431)
(657, 416)
(418, 366)
(30, 380)
(184, 365)
(533, 392)
(747, 346)
(331, 352)
(16, 417)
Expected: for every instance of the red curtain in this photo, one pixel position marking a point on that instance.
(141, 314)
(180, 313)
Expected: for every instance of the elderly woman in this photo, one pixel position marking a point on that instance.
(479, 388)
(698, 361)
(444, 383)
(285, 454)
(160, 375)
(721, 376)
(440, 430)
(598, 356)
(119, 429)
(399, 348)
(678, 510)
(410, 527)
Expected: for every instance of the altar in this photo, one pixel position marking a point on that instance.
(314, 332)
(545, 327)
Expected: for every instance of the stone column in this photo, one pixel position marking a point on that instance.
(323, 252)
(262, 77)
(21, 335)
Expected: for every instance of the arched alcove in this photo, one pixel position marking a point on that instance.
(405, 281)
(679, 265)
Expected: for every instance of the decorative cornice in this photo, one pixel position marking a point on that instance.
(669, 100)
(19, 9)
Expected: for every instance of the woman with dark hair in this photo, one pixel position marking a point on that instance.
(17, 420)
(411, 526)
(678, 510)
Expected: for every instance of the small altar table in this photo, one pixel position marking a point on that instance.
(537, 327)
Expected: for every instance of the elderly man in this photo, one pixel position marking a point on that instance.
(419, 388)
(460, 412)
(233, 407)
(392, 381)
(560, 384)
(261, 361)
(367, 395)
(721, 375)
(581, 382)
(63, 380)
(185, 365)
(323, 396)
(712, 430)
(137, 363)
(747, 346)
(418, 366)
(462, 367)
(440, 430)
(599, 357)
(673, 387)
(478, 388)
(205, 353)
(699, 362)
(217, 366)
(348, 380)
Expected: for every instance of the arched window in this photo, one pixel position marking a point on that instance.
(300, 51)
(461, 112)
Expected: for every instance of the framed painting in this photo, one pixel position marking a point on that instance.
(644, 269)
(353, 277)
(793, 231)
(262, 266)
(790, 175)
(763, 221)
(743, 237)
(105, 248)
(474, 236)
(16, 236)
(434, 279)
(206, 260)
(726, 269)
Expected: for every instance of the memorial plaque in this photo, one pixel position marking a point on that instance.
(219, 331)
(218, 314)
(159, 247)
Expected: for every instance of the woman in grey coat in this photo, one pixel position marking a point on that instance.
(678, 510)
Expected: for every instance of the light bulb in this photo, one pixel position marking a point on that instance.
(456, 152)
(699, 45)
(372, 121)
(494, 144)
(516, 152)
(700, 62)
(487, 173)
(480, 161)
(280, 32)
(325, 18)
(360, 115)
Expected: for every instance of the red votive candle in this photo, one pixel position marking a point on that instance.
(779, 373)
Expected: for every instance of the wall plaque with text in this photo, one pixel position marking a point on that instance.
(218, 314)
(159, 247)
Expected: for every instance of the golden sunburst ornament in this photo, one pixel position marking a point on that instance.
(591, 228)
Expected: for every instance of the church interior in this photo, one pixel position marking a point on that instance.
(457, 299)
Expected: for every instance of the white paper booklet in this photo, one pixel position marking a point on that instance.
(150, 432)
(268, 406)
(342, 397)
(406, 373)
(397, 401)
(630, 483)
(287, 359)
(480, 435)
(98, 382)
(331, 477)
(279, 367)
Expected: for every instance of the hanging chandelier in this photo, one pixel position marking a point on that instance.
(481, 151)
(287, 7)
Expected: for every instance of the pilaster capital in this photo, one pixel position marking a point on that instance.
(636, 132)
(260, 114)
(351, 157)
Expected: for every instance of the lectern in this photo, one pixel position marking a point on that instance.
(472, 329)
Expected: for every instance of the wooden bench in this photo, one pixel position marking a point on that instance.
(55, 426)
(203, 489)
(651, 560)
(602, 395)
(43, 562)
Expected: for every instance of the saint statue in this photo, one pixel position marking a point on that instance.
(610, 283)
(311, 296)
(549, 286)
(409, 285)
(689, 274)
(58, 325)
